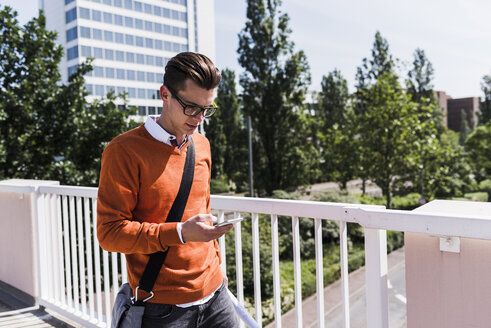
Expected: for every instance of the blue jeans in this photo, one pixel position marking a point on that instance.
(217, 312)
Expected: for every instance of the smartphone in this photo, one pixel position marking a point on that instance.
(231, 221)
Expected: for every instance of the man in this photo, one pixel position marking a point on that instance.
(140, 177)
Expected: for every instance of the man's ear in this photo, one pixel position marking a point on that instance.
(164, 93)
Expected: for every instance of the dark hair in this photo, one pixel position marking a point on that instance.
(190, 65)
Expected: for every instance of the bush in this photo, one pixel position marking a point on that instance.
(477, 196)
(334, 196)
(407, 202)
(219, 185)
(486, 186)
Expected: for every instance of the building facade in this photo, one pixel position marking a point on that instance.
(453, 109)
(130, 42)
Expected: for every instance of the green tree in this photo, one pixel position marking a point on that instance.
(465, 128)
(228, 135)
(485, 106)
(274, 86)
(381, 62)
(389, 133)
(48, 130)
(338, 149)
(478, 146)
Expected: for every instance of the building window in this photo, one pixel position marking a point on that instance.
(149, 60)
(139, 24)
(128, 4)
(148, 26)
(158, 28)
(84, 32)
(72, 70)
(167, 45)
(175, 14)
(68, 1)
(150, 77)
(89, 88)
(139, 41)
(96, 15)
(121, 90)
(98, 53)
(130, 75)
(159, 61)
(108, 18)
(157, 11)
(130, 39)
(166, 13)
(184, 16)
(149, 43)
(138, 6)
(148, 9)
(120, 74)
(86, 51)
(98, 71)
(84, 13)
(175, 31)
(151, 110)
(140, 59)
(71, 34)
(167, 29)
(140, 76)
(132, 92)
(118, 37)
(109, 54)
(96, 34)
(71, 15)
(72, 52)
(109, 72)
(130, 57)
(110, 89)
(158, 44)
(142, 110)
(99, 90)
(98, 1)
(107, 2)
(108, 36)
(128, 21)
(184, 32)
(153, 94)
(118, 3)
(118, 20)
(120, 55)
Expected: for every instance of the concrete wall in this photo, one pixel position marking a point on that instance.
(17, 237)
(446, 289)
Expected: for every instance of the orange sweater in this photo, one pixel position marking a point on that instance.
(139, 181)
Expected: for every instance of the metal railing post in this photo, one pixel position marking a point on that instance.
(376, 278)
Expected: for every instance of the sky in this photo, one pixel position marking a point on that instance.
(455, 35)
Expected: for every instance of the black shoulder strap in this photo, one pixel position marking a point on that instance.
(156, 260)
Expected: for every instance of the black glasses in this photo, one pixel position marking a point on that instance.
(193, 110)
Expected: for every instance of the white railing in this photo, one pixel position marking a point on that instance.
(79, 280)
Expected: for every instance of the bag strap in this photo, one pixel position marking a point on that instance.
(157, 259)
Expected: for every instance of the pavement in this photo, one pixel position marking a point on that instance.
(16, 314)
(333, 303)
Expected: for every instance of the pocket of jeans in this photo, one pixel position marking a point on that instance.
(159, 312)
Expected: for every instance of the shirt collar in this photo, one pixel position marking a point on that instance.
(159, 133)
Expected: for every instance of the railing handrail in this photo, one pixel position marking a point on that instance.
(368, 216)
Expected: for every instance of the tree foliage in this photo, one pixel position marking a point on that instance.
(485, 106)
(274, 86)
(478, 146)
(48, 130)
(228, 135)
(337, 132)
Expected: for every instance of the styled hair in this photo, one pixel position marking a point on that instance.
(190, 65)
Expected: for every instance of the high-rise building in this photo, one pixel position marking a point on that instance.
(130, 42)
(453, 108)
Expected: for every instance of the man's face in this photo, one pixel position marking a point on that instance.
(173, 118)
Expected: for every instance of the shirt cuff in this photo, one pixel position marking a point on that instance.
(179, 232)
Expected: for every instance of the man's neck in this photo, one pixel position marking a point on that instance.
(164, 125)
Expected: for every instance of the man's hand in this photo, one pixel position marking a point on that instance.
(195, 229)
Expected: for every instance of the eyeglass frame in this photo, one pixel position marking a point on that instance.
(202, 109)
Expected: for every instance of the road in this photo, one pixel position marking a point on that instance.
(333, 304)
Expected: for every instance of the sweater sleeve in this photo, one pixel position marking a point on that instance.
(117, 229)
